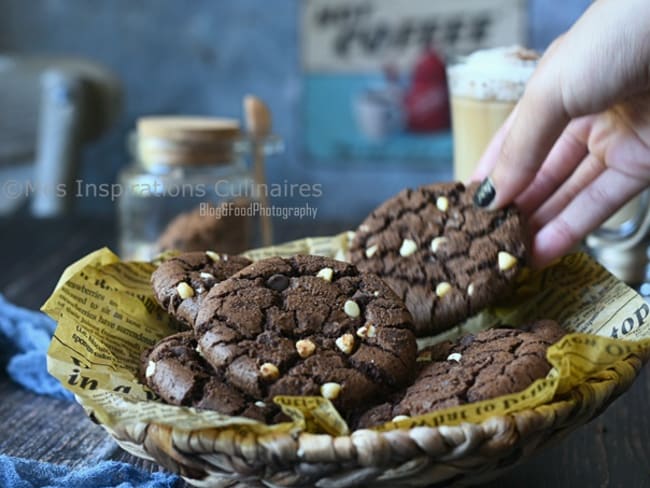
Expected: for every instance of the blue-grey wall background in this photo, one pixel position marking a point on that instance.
(202, 57)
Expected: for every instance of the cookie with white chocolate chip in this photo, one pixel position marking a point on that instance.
(308, 326)
(180, 283)
(175, 371)
(478, 367)
(446, 258)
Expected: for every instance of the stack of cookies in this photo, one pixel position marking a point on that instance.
(310, 325)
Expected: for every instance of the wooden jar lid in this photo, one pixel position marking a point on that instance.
(173, 140)
(201, 128)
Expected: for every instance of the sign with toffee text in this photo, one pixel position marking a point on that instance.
(374, 74)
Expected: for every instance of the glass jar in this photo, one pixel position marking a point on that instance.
(191, 188)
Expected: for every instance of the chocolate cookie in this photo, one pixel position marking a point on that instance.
(308, 325)
(224, 228)
(175, 371)
(478, 367)
(446, 258)
(180, 284)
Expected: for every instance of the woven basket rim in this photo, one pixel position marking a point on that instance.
(199, 455)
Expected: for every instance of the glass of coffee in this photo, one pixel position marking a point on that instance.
(484, 88)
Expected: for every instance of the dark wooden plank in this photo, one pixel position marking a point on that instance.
(626, 435)
(48, 429)
(56, 431)
(34, 253)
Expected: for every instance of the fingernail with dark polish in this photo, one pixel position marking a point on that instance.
(484, 194)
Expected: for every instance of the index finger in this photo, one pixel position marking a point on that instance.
(536, 125)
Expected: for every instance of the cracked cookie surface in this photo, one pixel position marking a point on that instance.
(308, 325)
(176, 372)
(446, 258)
(478, 367)
(181, 283)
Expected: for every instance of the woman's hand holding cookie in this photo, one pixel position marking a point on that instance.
(577, 146)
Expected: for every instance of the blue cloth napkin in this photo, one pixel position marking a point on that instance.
(23, 473)
(24, 338)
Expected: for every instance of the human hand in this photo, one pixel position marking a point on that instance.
(577, 145)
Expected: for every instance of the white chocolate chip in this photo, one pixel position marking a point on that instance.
(326, 273)
(305, 348)
(340, 255)
(367, 330)
(260, 404)
(207, 276)
(151, 369)
(371, 251)
(351, 308)
(506, 261)
(375, 293)
(442, 289)
(198, 350)
(470, 289)
(269, 371)
(442, 203)
(184, 290)
(331, 391)
(364, 227)
(397, 418)
(455, 356)
(345, 343)
(408, 247)
(437, 242)
(213, 255)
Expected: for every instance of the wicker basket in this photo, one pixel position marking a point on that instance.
(576, 292)
(422, 456)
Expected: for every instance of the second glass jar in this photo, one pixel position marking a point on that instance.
(190, 188)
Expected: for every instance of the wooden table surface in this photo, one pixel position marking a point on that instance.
(613, 450)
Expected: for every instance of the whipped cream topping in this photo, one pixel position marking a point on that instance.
(493, 74)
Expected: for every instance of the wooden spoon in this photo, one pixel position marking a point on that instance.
(258, 124)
